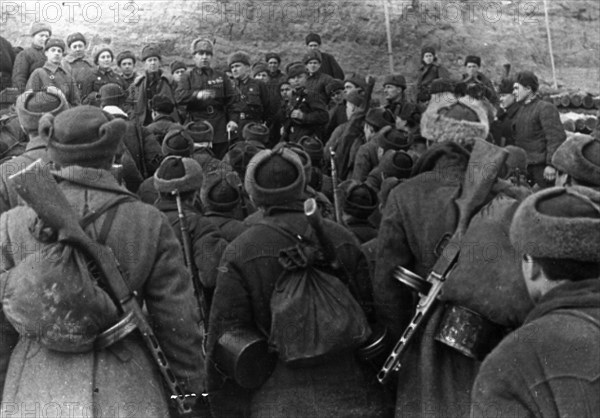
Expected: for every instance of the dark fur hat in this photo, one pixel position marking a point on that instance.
(579, 157)
(178, 174)
(559, 223)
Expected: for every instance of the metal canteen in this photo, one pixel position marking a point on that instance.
(244, 356)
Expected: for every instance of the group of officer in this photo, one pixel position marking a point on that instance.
(185, 175)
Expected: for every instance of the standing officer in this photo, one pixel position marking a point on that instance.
(208, 94)
(252, 96)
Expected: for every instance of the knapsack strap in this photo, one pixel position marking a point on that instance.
(95, 214)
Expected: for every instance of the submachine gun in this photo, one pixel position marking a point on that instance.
(485, 162)
(38, 187)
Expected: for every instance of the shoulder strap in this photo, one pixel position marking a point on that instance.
(95, 214)
(279, 227)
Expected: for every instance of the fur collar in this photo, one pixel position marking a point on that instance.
(439, 128)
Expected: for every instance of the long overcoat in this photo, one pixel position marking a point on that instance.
(419, 217)
(121, 380)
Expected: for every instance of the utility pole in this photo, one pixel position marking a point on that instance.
(555, 85)
(389, 35)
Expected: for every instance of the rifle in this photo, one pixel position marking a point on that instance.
(140, 137)
(191, 265)
(337, 204)
(39, 189)
(485, 161)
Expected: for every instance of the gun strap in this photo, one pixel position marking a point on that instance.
(110, 208)
(95, 214)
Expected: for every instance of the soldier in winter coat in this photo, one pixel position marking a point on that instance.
(126, 62)
(7, 59)
(208, 94)
(577, 162)
(537, 129)
(251, 103)
(407, 115)
(149, 84)
(30, 106)
(162, 121)
(306, 113)
(317, 80)
(76, 62)
(329, 65)
(53, 74)
(31, 58)
(122, 378)
(184, 175)
(502, 128)
(549, 367)
(429, 71)
(418, 219)
(103, 74)
(246, 281)
(221, 197)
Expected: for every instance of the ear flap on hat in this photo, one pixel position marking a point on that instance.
(46, 127)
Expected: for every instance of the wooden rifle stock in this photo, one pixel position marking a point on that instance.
(38, 187)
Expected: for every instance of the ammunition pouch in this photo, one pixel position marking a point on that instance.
(468, 332)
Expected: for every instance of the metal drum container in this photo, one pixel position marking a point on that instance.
(468, 332)
(377, 347)
(412, 280)
(244, 356)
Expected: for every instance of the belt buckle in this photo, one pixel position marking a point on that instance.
(210, 110)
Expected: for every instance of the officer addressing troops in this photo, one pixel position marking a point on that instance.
(208, 94)
(251, 96)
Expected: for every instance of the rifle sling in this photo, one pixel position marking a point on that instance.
(110, 208)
